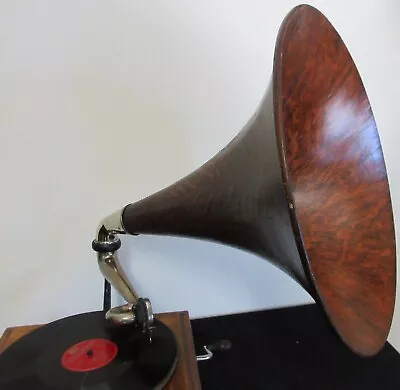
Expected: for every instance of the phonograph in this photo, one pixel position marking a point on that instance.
(303, 185)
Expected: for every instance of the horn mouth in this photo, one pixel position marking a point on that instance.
(335, 179)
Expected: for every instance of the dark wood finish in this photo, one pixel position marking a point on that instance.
(185, 377)
(303, 185)
(335, 174)
(236, 198)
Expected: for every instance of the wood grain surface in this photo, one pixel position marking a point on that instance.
(185, 377)
(335, 176)
(303, 185)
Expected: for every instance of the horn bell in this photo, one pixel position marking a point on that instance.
(303, 185)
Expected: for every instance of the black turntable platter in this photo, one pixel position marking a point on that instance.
(79, 352)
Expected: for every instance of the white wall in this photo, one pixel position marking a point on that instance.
(105, 102)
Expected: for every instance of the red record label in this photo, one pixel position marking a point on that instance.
(89, 355)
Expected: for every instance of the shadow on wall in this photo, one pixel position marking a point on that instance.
(204, 277)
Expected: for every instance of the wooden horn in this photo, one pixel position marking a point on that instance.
(303, 185)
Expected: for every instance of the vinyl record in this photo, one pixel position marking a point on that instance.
(78, 352)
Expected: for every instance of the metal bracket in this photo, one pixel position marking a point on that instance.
(137, 311)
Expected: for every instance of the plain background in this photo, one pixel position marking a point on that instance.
(105, 102)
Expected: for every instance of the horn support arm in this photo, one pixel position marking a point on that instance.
(137, 311)
(106, 244)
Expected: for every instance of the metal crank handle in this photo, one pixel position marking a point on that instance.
(222, 345)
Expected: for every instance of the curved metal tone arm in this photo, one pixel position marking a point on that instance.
(111, 224)
(106, 245)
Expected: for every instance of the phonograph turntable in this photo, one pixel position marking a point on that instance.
(303, 185)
